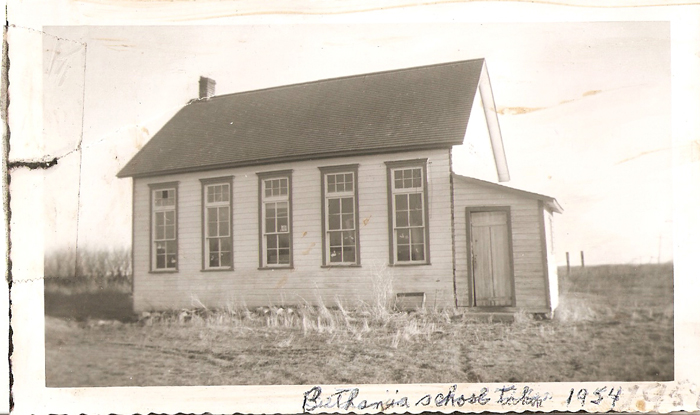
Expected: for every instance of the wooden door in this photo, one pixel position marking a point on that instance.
(491, 259)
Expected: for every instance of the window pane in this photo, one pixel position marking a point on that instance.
(271, 241)
(349, 254)
(401, 218)
(349, 238)
(417, 236)
(331, 183)
(161, 197)
(171, 247)
(270, 217)
(402, 236)
(160, 219)
(398, 179)
(213, 259)
(171, 260)
(349, 182)
(160, 248)
(283, 240)
(415, 201)
(170, 232)
(283, 187)
(214, 245)
(283, 256)
(335, 238)
(212, 229)
(417, 252)
(333, 206)
(269, 225)
(333, 222)
(223, 214)
(282, 225)
(223, 228)
(347, 205)
(336, 254)
(416, 206)
(416, 218)
(226, 192)
(170, 217)
(160, 232)
(401, 202)
(226, 259)
(417, 177)
(348, 221)
(225, 244)
(282, 209)
(160, 261)
(272, 256)
(403, 253)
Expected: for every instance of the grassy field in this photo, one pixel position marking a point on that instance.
(615, 323)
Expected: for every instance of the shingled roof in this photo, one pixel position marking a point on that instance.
(407, 109)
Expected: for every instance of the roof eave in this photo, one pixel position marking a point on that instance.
(554, 206)
(286, 159)
(551, 203)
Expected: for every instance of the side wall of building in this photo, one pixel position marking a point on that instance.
(308, 281)
(530, 293)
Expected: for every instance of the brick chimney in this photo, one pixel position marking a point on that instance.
(206, 87)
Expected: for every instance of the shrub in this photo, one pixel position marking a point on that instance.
(88, 271)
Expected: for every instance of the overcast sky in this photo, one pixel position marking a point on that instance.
(585, 112)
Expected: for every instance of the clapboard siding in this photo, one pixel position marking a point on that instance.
(308, 280)
(528, 267)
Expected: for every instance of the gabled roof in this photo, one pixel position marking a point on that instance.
(550, 202)
(408, 109)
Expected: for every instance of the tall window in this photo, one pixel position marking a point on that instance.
(218, 239)
(408, 212)
(276, 223)
(340, 220)
(164, 227)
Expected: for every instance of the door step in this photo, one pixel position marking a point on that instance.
(489, 315)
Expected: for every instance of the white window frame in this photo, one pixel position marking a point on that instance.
(272, 199)
(394, 228)
(156, 210)
(327, 196)
(207, 184)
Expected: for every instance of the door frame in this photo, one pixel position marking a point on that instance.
(470, 270)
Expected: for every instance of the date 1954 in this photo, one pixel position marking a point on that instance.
(596, 397)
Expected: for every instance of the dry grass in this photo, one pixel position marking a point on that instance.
(614, 323)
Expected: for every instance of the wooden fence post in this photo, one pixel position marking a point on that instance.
(568, 264)
(583, 264)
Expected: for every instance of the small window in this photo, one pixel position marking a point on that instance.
(408, 212)
(276, 219)
(164, 227)
(217, 235)
(340, 220)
